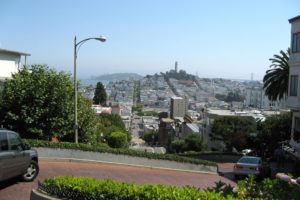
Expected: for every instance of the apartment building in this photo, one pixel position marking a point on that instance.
(293, 100)
(178, 107)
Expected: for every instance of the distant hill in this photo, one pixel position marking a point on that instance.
(117, 77)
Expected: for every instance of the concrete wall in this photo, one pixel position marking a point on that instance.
(122, 159)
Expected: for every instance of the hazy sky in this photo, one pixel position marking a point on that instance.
(224, 38)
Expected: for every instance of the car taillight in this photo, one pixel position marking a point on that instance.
(236, 166)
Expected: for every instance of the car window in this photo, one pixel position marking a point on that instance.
(249, 160)
(3, 142)
(15, 142)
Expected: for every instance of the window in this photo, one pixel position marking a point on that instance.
(296, 42)
(296, 136)
(3, 142)
(15, 142)
(294, 85)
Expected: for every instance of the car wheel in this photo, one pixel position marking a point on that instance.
(32, 171)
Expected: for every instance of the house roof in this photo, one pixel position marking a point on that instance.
(14, 52)
(294, 19)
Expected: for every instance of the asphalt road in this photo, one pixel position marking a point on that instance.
(17, 190)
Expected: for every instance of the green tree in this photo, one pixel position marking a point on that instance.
(193, 142)
(276, 79)
(273, 130)
(38, 102)
(109, 123)
(150, 137)
(100, 95)
(233, 131)
(177, 145)
(117, 140)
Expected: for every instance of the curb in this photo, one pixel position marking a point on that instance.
(51, 159)
(37, 195)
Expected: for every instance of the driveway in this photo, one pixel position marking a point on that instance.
(16, 190)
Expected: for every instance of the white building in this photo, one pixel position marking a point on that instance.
(10, 62)
(255, 97)
(294, 92)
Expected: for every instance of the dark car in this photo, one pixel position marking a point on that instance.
(248, 165)
(16, 158)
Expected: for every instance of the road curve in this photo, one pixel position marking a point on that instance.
(16, 190)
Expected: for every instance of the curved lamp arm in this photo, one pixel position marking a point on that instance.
(78, 44)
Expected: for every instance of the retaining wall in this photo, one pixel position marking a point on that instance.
(122, 159)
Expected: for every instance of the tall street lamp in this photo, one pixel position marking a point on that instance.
(77, 45)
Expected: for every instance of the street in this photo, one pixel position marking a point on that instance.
(17, 190)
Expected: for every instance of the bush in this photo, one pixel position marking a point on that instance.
(193, 142)
(117, 140)
(67, 187)
(177, 145)
(103, 148)
(267, 189)
(150, 137)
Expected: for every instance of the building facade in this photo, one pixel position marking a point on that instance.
(178, 107)
(10, 62)
(294, 73)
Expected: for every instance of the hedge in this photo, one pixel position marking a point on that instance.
(103, 148)
(68, 187)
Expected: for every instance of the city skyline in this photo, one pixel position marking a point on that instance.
(216, 40)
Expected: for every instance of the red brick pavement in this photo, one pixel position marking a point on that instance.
(16, 190)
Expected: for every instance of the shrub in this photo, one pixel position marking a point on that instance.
(267, 189)
(69, 187)
(117, 140)
(90, 188)
(150, 137)
(177, 145)
(193, 142)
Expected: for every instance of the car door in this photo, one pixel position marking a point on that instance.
(20, 157)
(6, 158)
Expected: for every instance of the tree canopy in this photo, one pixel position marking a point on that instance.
(100, 94)
(276, 79)
(273, 130)
(38, 102)
(234, 131)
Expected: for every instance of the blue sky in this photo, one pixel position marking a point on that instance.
(228, 39)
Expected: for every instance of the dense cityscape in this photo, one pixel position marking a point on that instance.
(185, 101)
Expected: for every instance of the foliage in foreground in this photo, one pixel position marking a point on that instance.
(90, 188)
(103, 148)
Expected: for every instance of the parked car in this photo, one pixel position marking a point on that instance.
(248, 165)
(16, 158)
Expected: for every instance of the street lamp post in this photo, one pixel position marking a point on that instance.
(76, 49)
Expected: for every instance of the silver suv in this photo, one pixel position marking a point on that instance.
(16, 158)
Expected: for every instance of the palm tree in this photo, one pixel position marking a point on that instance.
(276, 79)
